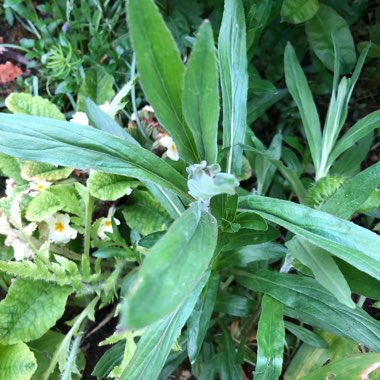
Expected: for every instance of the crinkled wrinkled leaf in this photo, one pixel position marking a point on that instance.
(297, 11)
(27, 104)
(39, 171)
(17, 362)
(30, 309)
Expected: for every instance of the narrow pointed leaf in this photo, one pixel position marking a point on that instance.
(199, 320)
(300, 91)
(201, 95)
(161, 71)
(350, 242)
(154, 346)
(324, 268)
(358, 367)
(353, 193)
(270, 340)
(309, 302)
(173, 267)
(67, 144)
(307, 336)
(234, 81)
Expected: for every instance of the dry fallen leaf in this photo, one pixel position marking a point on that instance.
(9, 72)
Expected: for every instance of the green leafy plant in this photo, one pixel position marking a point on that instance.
(155, 219)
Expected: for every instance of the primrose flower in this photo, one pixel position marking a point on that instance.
(167, 142)
(59, 228)
(10, 184)
(106, 226)
(21, 249)
(105, 107)
(80, 118)
(37, 186)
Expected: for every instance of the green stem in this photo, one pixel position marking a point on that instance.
(87, 232)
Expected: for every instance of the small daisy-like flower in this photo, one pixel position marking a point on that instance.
(167, 142)
(10, 185)
(36, 187)
(80, 118)
(106, 226)
(60, 230)
(105, 107)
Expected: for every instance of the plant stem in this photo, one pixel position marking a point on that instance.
(87, 232)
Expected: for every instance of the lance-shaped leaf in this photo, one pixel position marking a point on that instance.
(201, 95)
(67, 144)
(357, 367)
(353, 244)
(154, 346)
(200, 318)
(161, 72)
(270, 340)
(353, 193)
(173, 267)
(309, 302)
(300, 91)
(234, 81)
(30, 309)
(17, 362)
(324, 268)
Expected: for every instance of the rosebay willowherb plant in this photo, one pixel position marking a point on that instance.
(204, 273)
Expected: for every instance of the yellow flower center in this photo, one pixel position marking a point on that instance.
(40, 187)
(174, 148)
(107, 223)
(59, 227)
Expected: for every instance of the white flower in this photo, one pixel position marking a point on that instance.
(10, 185)
(167, 142)
(36, 187)
(148, 109)
(21, 249)
(106, 226)
(105, 107)
(80, 118)
(59, 228)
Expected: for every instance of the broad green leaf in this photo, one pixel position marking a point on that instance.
(73, 145)
(353, 193)
(357, 367)
(184, 253)
(39, 171)
(324, 268)
(100, 120)
(251, 253)
(350, 242)
(270, 340)
(144, 214)
(30, 309)
(300, 91)
(200, 97)
(97, 85)
(51, 200)
(307, 336)
(199, 319)
(109, 187)
(27, 104)
(17, 362)
(309, 302)
(359, 130)
(359, 282)
(161, 72)
(233, 304)
(326, 25)
(158, 339)
(234, 81)
(10, 167)
(298, 11)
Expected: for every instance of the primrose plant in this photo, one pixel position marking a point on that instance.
(151, 218)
